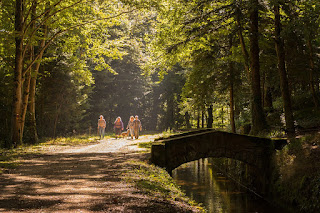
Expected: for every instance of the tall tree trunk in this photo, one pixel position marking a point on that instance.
(202, 118)
(32, 104)
(25, 98)
(268, 97)
(58, 107)
(210, 116)
(32, 113)
(243, 44)
(285, 92)
(258, 117)
(170, 112)
(231, 81)
(198, 119)
(33, 84)
(232, 122)
(311, 80)
(17, 96)
(267, 93)
(187, 118)
(222, 117)
(263, 84)
(27, 77)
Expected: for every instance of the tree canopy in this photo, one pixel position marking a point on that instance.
(239, 65)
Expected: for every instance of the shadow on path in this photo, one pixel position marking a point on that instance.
(73, 182)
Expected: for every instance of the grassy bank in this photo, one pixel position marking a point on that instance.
(156, 182)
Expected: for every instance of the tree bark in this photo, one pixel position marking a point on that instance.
(243, 44)
(268, 97)
(202, 119)
(285, 92)
(232, 122)
(27, 77)
(258, 117)
(58, 108)
(33, 84)
(169, 119)
(210, 117)
(25, 98)
(17, 96)
(187, 118)
(222, 117)
(267, 92)
(311, 80)
(198, 119)
(231, 94)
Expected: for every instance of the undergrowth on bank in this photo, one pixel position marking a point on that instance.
(156, 182)
(299, 169)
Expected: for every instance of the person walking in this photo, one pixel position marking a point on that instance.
(136, 127)
(101, 126)
(130, 126)
(118, 127)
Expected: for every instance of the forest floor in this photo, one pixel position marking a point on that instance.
(87, 178)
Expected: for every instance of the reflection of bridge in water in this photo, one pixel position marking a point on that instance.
(256, 152)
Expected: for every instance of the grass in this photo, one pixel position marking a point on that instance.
(10, 158)
(71, 141)
(156, 182)
(145, 145)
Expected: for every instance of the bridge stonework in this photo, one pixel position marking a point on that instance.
(257, 152)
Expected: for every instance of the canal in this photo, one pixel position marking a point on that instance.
(202, 181)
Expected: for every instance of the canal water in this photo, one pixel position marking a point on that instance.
(203, 182)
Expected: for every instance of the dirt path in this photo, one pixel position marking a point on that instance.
(81, 179)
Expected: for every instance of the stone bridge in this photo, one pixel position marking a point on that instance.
(178, 149)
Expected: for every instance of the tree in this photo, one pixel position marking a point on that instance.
(259, 123)
(29, 18)
(283, 73)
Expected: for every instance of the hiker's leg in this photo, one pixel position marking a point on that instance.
(118, 132)
(100, 132)
(131, 132)
(103, 133)
(136, 133)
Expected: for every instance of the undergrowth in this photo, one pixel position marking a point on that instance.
(299, 168)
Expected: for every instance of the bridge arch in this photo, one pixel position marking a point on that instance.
(255, 151)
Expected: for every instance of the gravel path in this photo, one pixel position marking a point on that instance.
(80, 179)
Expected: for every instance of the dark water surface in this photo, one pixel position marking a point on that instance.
(203, 183)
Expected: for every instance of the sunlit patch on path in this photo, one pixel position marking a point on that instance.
(112, 145)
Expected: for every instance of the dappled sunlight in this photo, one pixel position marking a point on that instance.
(83, 178)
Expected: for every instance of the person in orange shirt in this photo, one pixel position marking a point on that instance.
(101, 126)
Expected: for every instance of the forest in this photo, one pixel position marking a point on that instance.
(245, 66)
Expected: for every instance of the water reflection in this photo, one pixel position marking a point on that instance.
(204, 184)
